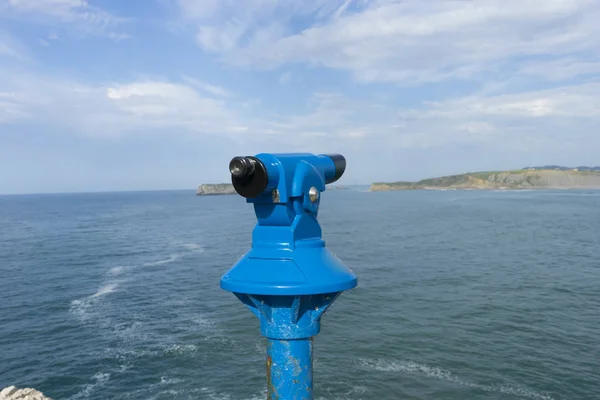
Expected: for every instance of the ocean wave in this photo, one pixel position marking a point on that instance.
(195, 247)
(170, 259)
(212, 394)
(133, 357)
(117, 270)
(179, 349)
(413, 368)
(157, 390)
(200, 393)
(100, 380)
(201, 322)
(260, 347)
(350, 394)
(80, 307)
(106, 289)
(165, 380)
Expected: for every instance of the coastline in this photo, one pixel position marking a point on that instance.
(548, 179)
(492, 189)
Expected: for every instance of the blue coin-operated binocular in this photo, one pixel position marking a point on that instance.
(289, 278)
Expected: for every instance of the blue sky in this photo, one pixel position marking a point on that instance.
(160, 94)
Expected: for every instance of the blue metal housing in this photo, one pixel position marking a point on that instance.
(289, 278)
(288, 256)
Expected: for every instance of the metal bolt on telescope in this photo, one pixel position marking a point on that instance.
(289, 278)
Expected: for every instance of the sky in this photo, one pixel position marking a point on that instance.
(161, 94)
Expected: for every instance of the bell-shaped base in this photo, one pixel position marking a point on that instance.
(309, 268)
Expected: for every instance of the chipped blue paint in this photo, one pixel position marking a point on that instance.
(290, 369)
(289, 278)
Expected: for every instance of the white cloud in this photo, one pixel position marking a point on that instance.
(538, 121)
(206, 87)
(164, 104)
(135, 107)
(577, 101)
(559, 70)
(112, 109)
(477, 127)
(224, 24)
(407, 41)
(77, 13)
(555, 117)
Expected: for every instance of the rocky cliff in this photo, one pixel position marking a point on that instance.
(12, 393)
(519, 179)
(215, 188)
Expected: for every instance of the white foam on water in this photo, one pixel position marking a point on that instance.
(106, 289)
(117, 270)
(347, 395)
(193, 247)
(139, 340)
(260, 347)
(170, 259)
(179, 348)
(100, 379)
(358, 389)
(156, 390)
(212, 394)
(136, 339)
(410, 367)
(134, 332)
(80, 307)
(203, 393)
(165, 380)
(221, 340)
(123, 368)
(201, 322)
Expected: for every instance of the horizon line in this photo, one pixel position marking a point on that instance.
(108, 191)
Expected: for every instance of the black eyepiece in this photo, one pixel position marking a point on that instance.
(340, 166)
(248, 176)
(241, 166)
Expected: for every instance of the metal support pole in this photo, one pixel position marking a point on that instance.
(289, 278)
(289, 369)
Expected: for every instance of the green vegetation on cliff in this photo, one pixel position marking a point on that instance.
(517, 179)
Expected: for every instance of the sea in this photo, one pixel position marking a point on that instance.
(461, 295)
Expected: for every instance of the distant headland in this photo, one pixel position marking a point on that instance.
(547, 177)
(209, 189)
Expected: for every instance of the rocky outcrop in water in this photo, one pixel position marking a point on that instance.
(215, 188)
(13, 393)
